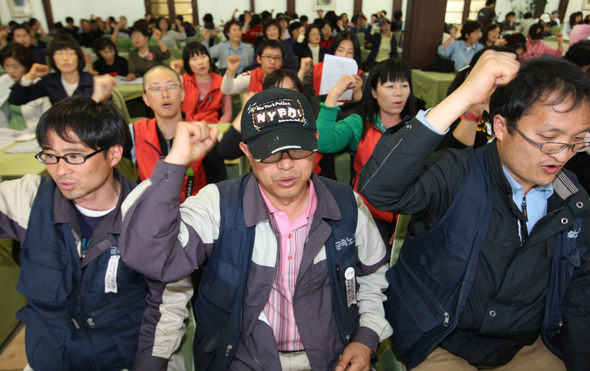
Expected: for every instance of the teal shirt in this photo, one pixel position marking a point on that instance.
(338, 135)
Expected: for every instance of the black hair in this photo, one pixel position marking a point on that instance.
(266, 43)
(208, 18)
(19, 52)
(275, 78)
(69, 19)
(22, 26)
(490, 2)
(393, 69)
(469, 27)
(397, 15)
(546, 80)
(303, 18)
(256, 19)
(165, 19)
(313, 26)
(61, 42)
(579, 53)
(293, 26)
(98, 125)
(347, 35)
(138, 27)
(228, 25)
(180, 17)
(269, 23)
(191, 49)
(484, 32)
(102, 43)
(265, 15)
(573, 17)
(527, 15)
(331, 18)
(510, 14)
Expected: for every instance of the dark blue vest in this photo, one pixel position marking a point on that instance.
(218, 306)
(71, 323)
(430, 283)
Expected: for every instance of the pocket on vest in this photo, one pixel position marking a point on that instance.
(409, 310)
(447, 265)
(44, 275)
(44, 353)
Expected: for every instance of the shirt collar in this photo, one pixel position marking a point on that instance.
(546, 190)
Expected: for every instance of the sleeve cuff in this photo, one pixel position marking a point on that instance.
(170, 173)
(148, 362)
(421, 116)
(368, 337)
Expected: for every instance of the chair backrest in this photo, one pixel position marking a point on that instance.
(399, 235)
(119, 101)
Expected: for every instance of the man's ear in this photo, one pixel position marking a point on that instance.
(500, 127)
(244, 148)
(258, 59)
(145, 100)
(115, 154)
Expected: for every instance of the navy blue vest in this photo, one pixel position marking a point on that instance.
(71, 323)
(430, 283)
(218, 306)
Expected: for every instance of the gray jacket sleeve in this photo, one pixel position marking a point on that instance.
(161, 239)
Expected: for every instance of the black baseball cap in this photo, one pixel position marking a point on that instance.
(277, 120)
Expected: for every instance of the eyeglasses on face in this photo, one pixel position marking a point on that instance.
(555, 147)
(157, 89)
(293, 154)
(272, 58)
(70, 158)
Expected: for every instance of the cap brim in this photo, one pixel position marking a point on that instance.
(281, 140)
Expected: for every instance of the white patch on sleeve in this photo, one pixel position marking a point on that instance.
(265, 245)
(321, 255)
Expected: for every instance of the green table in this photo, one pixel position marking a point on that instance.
(11, 299)
(129, 91)
(431, 86)
(15, 165)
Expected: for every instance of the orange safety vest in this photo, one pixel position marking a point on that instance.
(148, 151)
(206, 110)
(256, 80)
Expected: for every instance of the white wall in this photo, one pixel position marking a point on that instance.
(38, 13)
(77, 9)
(221, 9)
(574, 6)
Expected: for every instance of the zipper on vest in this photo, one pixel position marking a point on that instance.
(228, 350)
(433, 300)
(76, 325)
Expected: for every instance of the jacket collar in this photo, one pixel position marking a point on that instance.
(86, 79)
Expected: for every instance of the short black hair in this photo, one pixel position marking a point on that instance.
(21, 26)
(98, 125)
(392, 69)
(65, 41)
(208, 18)
(276, 77)
(303, 18)
(269, 23)
(138, 27)
(191, 49)
(69, 19)
(20, 53)
(102, 43)
(547, 80)
(579, 53)
(293, 26)
(469, 27)
(490, 2)
(347, 35)
(256, 19)
(228, 25)
(266, 43)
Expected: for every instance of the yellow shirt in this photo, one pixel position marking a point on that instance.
(384, 48)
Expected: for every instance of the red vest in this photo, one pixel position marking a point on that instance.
(256, 80)
(317, 76)
(208, 109)
(364, 151)
(148, 151)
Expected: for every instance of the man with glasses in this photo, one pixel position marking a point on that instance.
(152, 138)
(84, 305)
(495, 270)
(269, 55)
(292, 263)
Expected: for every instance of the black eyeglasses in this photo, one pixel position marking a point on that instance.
(555, 147)
(70, 158)
(294, 154)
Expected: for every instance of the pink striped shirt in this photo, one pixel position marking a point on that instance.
(279, 308)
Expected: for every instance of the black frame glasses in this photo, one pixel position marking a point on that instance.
(73, 158)
(555, 147)
(293, 154)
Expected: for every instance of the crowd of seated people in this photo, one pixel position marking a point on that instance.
(209, 75)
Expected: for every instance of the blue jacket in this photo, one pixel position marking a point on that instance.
(218, 306)
(430, 283)
(71, 323)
